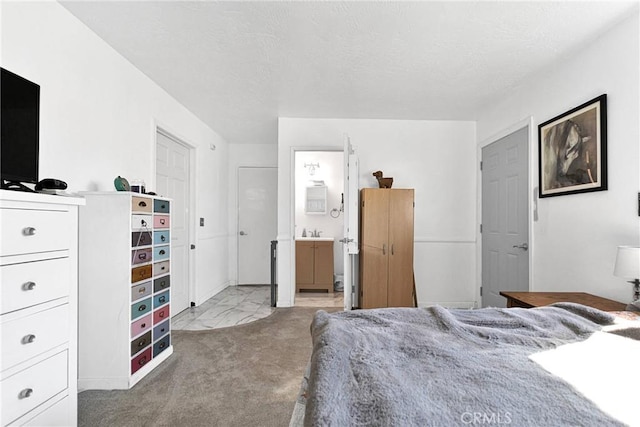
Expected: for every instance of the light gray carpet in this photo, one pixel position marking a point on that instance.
(247, 375)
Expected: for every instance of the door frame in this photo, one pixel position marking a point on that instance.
(237, 281)
(168, 132)
(292, 213)
(532, 199)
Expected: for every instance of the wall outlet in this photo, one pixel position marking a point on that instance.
(201, 222)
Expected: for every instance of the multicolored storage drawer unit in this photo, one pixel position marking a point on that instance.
(128, 272)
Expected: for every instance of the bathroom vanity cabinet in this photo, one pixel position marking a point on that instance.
(314, 264)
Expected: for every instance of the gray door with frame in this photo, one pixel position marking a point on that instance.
(505, 217)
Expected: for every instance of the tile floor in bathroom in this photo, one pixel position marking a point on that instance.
(237, 305)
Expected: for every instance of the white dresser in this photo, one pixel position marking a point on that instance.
(125, 297)
(38, 301)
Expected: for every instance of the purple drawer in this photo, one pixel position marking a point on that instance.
(140, 256)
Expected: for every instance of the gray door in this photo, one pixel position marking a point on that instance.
(505, 218)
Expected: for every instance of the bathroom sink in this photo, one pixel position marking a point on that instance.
(317, 239)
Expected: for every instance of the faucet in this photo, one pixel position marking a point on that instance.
(316, 233)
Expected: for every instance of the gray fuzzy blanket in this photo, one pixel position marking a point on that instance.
(441, 367)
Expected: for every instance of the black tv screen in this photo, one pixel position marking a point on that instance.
(20, 133)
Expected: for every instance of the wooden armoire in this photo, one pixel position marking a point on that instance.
(386, 247)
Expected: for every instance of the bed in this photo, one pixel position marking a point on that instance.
(565, 364)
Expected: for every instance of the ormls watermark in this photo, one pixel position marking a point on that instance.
(486, 418)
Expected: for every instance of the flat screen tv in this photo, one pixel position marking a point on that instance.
(20, 131)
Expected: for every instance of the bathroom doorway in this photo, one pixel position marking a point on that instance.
(318, 217)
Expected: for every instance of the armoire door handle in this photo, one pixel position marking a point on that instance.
(384, 249)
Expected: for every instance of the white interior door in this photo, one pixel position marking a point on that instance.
(172, 180)
(505, 217)
(257, 223)
(351, 224)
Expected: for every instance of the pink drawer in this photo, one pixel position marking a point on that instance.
(140, 360)
(141, 325)
(161, 314)
(161, 221)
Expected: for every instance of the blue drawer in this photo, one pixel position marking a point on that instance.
(161, 299)
(160, 253)
(161, 237)
(140, 308)
(161, 330)
(162, 345)
(161, 206)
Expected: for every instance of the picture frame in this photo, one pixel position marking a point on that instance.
(572, 150)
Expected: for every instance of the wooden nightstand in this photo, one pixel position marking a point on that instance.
(537, 299)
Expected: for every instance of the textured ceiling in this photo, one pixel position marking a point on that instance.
(239, 66)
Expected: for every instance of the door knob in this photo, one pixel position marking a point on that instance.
(523, 246)
(242, 233)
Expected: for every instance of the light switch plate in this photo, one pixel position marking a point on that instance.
(201, 222)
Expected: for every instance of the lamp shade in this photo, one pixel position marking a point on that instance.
(628, 262)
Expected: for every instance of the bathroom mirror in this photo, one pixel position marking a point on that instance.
(316, 202)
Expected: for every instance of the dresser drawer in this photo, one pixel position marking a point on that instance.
(141, 238)
(57, 415)
(161, 267)
(141, 204)
(28, 336)
(28, 231)
(33, 386)
(141, 222)
(140, 308)
(31, 283)
(161, 237)
(140, 360)
(161, 283)
(161, 314)
(141, 273)
(140, 256)
(162, 345)
(141, 325)
(161, 221)
(138, 344)
(161, 206)
(161, 299)
(160, 253)
(140, 291)
(161, 330)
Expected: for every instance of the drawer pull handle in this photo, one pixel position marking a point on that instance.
(29, 286)
(163, 206)
(161, 314)
(28, 339)
(142, 204)
(143, 307)
(163, 283)
(142, 361)
(143, 223)
(141, 343)
(162, 238)
(142, 256)
(162, 330)
(162, 221)
(162, 252)
(27, 392)
(162, 344)
(29, 231)
(142, 290)
(144, 325)
(162, 299)
(162, 268)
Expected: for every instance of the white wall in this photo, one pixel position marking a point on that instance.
(331, 171)
(98, 118)
(436, 158)
(574, 240)
(243, 155)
